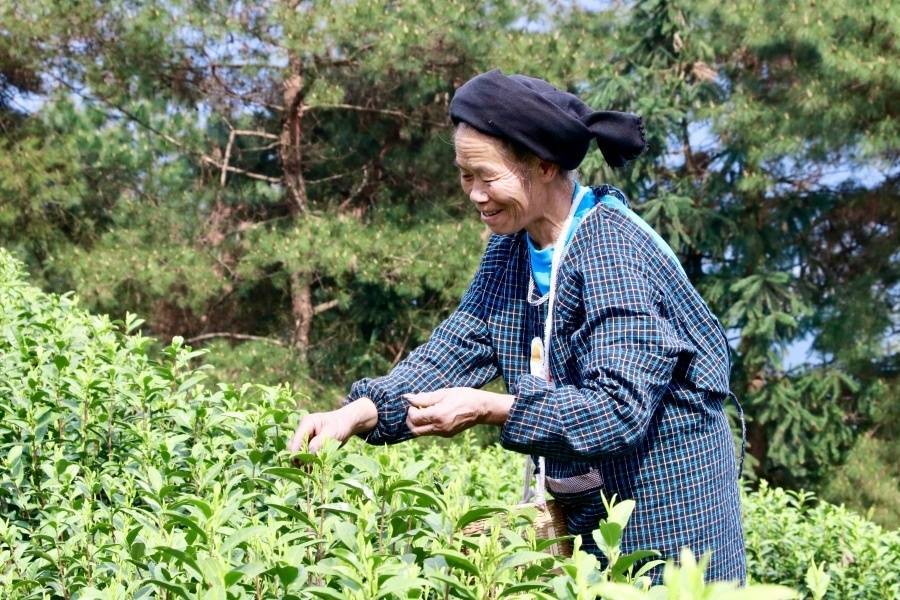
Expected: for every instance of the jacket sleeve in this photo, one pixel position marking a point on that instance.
(459, 353)
(625, 353)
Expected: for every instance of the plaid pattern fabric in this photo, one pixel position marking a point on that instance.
(639, 374)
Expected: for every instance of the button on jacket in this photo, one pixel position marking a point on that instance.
(639, 371)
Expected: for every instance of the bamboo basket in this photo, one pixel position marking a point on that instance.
(550, 523)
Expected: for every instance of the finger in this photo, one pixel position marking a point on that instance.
(420, 416)
(318, 441)
(425, 399)
(416, 425)
(413, 416)
(419, 430)
(304, 430)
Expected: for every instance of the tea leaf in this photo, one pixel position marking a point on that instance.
(457, 560)
(400, 584)
(479, 513)
(291, 474)
(243, 535)
(180, 558)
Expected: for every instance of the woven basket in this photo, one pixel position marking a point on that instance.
(549, 524)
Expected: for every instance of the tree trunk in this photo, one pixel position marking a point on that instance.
(758, 446)
(302, 310)
(292, 172)
(757, 437)
(291, 135)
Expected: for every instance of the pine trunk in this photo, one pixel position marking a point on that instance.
(292, 172)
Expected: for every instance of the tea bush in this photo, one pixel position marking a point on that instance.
(123, 475)
(787, 531)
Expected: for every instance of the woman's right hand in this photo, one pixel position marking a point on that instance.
(357, 417)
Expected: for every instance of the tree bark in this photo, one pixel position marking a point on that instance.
(757, 436)
(758, 446)
(291, 154)
(291, 135)
(302, 311)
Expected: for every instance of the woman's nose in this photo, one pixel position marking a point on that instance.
(477, 194)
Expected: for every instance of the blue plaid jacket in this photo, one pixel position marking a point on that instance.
(639, 375)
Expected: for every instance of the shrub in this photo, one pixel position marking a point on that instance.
(787, 531)
(125, 476)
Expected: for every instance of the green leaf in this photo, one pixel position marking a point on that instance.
(759, 592)
(458, 560)
(337, 508)
(15, 453)
(522, 557)
(521, 588)
(291, 474)
(204, 506)
(132, 535)
(137, 551)
(186, 522)
(293, 513)
(550, 542)
(400, 584)
(286, 573)
(619, 591)
(241, 536)
(817, 580)
(620, 512)
(610, 534)
(324, 592)
(459, 588)
(626, 561)
(478, 513)
(647, 567)
(171, 587)
(180, 558)
(154, 479)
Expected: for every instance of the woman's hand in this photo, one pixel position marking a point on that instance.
(356, 417)
(449, 411)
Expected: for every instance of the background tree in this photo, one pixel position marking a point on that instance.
(274, 180)
(774, 176)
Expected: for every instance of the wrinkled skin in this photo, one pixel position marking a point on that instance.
(529, 197)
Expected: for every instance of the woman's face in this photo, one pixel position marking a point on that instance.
(490, 180)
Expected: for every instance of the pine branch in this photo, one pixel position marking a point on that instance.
(178, 144)
(320, 308)
(354, 107)
(234, 336)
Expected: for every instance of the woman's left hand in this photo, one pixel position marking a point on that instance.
(449, 411)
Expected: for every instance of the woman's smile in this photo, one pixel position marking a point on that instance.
(491, 216)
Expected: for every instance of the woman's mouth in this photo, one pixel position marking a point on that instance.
(490, 215)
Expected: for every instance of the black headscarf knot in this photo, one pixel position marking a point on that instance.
(555, 125)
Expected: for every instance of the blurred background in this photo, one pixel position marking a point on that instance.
(273, 181)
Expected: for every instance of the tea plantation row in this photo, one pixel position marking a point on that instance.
(123, 476)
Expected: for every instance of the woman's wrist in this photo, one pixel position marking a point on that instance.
(363, 413)
(495, 408)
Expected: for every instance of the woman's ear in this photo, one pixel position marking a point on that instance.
(547, 170)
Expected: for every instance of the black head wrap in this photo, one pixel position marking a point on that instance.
(553, 124)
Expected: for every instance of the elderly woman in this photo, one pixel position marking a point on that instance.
(633, 367)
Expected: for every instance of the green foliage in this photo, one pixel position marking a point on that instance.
(126, 476)
(869, 480)
(787, 532)
(284, 170)
(817, 400)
